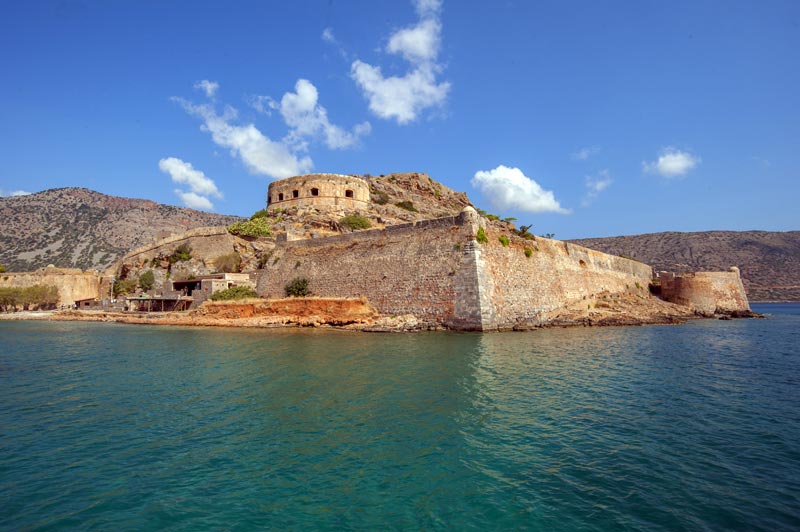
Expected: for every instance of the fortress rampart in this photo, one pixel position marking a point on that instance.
(437, 271)
(72, 285)
(318, 190)
(706, 292)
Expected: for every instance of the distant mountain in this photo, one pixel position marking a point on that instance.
(81, 228)
(769, 261)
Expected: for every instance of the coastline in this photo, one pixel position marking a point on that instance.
(607, 310)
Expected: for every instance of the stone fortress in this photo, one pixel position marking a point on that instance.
(446, 265)
(318, 190)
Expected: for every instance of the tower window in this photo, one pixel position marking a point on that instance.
(295, 193)
(348, 193)
(315, 192)
(280, 196)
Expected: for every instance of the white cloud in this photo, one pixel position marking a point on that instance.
(595, 185)
(184, 173)
(262, 104)
(584, 153)
(13, 193)
(194, 201)
(307, 119)
(671, 163)
(509, 188)
(327, 36)
(403, 98)
(259, 154)
(208, 87)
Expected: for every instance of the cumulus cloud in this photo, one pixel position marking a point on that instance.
(184, 173)
(208, 87)
(584, 153)
(403, 98)
(307, 119)
(595, 185)
(194, 201)
(671, 163)
(509, 188)
(200, 186)
(259, 154)
(12, 193)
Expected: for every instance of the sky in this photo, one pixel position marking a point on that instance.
(582, 118)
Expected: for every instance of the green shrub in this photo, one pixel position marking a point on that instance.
(229, 263)
(257, 227)
(528, 252)
(2, 269)
(147, 280)
(492, 217)
(297, 288)
(182, 253)
(481, 236)
(407, 205)
(355, 222)
(124, 286)
(457, 247)
(234, 292)
(524, 232)
(381, 198)
(260, 214)
(503, 240)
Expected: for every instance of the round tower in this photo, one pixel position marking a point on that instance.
(318, 190)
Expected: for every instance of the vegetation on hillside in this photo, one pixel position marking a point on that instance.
(355, 222)
(234, 292)
(255, 227)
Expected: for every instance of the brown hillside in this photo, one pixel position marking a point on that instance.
(769, 261)
(80, 228)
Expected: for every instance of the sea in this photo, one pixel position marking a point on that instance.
(134, 427)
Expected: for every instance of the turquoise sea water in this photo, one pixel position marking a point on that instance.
(121, 427)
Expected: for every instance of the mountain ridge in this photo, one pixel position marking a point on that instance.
(76, 227)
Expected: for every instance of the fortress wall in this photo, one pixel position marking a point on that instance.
(409, 268)
(206, 241)
(72, 284)
(521, 289)
(706, 292)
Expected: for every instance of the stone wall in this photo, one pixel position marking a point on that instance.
(706, 292)
(519, 288)
(204, 241)
(72, 284)
(402, 269)
(318, 190)
(436, 270)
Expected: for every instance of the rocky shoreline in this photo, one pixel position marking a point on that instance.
(605, 310)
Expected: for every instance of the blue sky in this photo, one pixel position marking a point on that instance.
(581, 118)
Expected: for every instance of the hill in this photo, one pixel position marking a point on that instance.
(81, 228)
(769, 261)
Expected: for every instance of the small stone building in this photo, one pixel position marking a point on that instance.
(318, 190)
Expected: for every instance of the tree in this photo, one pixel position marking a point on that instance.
(147, 280)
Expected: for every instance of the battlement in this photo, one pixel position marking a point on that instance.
(318, 190)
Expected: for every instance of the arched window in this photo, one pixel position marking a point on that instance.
(315, 192)
(295, 194)
(348, 193)
(280, 196)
